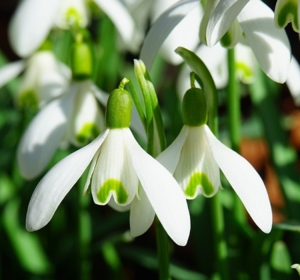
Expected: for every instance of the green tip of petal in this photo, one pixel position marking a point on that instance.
(194, 107)
(112, 185)
(28, 99)
(285, 12)
(245, 73)
(118, 111)
(81, 61)
(88, 132)
(199, 180)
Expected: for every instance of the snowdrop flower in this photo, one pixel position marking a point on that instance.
(74, 117)
(34, 19)
(196, 156)
(44, 78)
(250, 22)
(121, 174)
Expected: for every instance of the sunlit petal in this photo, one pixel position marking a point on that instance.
(43, 137)
(31, 24)
(270, 45)
(141, 214)
(10, 71)
(163, 192)
(293, 80)
(163, 27)
(244, 180)
(120, 17)
(222, 18)
(114, 175)
(57, 183)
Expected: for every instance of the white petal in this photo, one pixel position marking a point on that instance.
(141, 214)
(86, 188)
(57, 183)
(162, 28)
(197, 172)
(31, 24)
(114, 175)
(169, 157)
(293, 80)
(101, 95)
(120, 17)
(43, 136)
(78, 17)
(88, 119)
(163, 192)
(222, 18)
(117, 207)
(244, 180)
(180, 37)
(270, 45)
(10, 71)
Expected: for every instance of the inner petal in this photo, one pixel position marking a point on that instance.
(197, 172)
(114, 177)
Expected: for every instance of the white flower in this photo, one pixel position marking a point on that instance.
(73, 117)
(253, 24)
(44, 77)
(287, 11)
(34, 19)
(195, 158)
(123, 175)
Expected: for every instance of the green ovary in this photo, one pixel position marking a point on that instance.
(88, 132)
(199, 180)
(28, 99)
(112, 185)
(288, 13)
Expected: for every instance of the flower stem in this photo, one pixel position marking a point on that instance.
(234, 117)
(83, 236)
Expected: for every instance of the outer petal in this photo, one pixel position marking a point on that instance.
(43, 136)
(57, 183)
(141, 214)
(120, 17)
(169, 157)
(163, 192)
(197, 172)
(10, 71)
(162, 28)
(30, 25)
(270, 45)
(114, 175)
(244, 180)
(222, 18)
(293, 80)
(179, 36)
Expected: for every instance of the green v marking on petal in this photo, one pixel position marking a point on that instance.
(288, 13)
(112, 185)
(199, 180)
(88, 132)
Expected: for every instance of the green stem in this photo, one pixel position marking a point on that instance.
(234, 117)
(155, 129)
(83, 237)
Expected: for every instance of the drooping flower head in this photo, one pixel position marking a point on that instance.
(196, 156)
(121, 174)
(73, 117)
